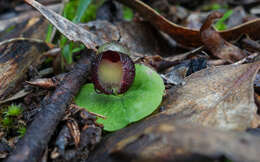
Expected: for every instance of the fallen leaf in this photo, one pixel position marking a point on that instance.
(162, 138)
(187, 36)
(216, 44)
(137, 36)
(70, 30)
(220, 97)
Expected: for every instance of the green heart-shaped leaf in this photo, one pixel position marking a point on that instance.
(144, 96)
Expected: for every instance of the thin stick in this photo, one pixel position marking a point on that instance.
(38, 134)
(92, 113)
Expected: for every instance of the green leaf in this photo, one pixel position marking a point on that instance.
(214, 6)
(90, 13)
(77, 49)
(9, 29)
(83, 5)
(144, 96)
(67, 54)
(75, 16)
(70, 9)
(220, 24)
(49, 32)
(127, 13)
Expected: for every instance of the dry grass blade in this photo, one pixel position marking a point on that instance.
(74, 131)
(70, 30)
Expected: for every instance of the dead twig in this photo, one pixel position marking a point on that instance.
(246, 59)
(38, 134)
(95, 114)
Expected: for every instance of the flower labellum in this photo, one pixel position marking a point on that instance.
(113, 70)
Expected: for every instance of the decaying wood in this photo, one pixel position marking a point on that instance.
(186, 36)
(162, 138)
(16, 57)
(38, 134)
(34, 27)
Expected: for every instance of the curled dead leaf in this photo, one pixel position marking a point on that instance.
(216, 44)
(186, 36)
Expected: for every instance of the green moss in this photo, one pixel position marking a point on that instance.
(13, 110)
(7, 122)
(21, 131)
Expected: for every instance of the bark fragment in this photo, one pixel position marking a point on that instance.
(162, 138)
(17, 56)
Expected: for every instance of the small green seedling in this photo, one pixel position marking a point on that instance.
(220, 24)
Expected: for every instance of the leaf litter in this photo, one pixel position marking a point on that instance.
(219, 97)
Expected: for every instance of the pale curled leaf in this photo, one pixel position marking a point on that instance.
(221, 97)
(70, 30)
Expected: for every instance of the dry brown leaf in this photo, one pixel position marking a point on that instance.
(162, 138)
(221, 97)
(70, 30)
(216, 44)
(137, 36)
(74, 130)
(184, 35)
